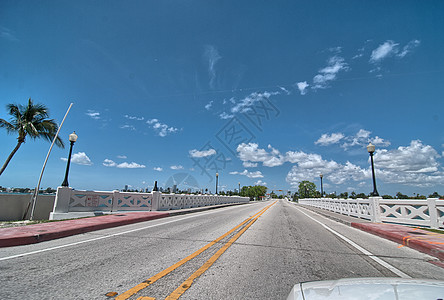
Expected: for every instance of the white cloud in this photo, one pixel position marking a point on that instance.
(384, 50)
(251, 153)
(79, 158)
(161, 129)
(159, 169)
(248, 164)
(178, 167)
(129, 127)
(285, 90)
(208, 106)
(360, 53)
(93, 114)
(335, 64)
(390, 48)
(408, 48)
(415, 158)
(131, 165)
(302, 86)
(109, 163)
(225, 116)
(326, 139)
(362, 138)
(134, 118)
(335, 50)
(377, 141)
(340, 174)
(260, 182)
(212, 56)
(121, 156)
(205, 153)
(257, 174)
(245, 104)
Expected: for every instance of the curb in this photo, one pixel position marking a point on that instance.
(411, 238)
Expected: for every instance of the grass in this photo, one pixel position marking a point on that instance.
(433, 230)
(4, 224)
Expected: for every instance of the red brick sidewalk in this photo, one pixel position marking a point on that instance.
(30, 234)
(422, 240)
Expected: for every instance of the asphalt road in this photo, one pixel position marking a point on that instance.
(274, 247)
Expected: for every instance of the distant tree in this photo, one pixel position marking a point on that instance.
(307, 189)
(331, 195)
(434, 195)
(387, 197)
(400, 195)
(253, 191)
(343, 195)
(50, 190)
(30, 120)
(361, 196)
(353, 195)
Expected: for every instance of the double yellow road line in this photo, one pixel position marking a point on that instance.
(189, 281)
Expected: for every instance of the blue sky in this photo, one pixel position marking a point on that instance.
(262, 92)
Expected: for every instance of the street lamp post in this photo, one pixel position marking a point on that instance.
(371, 150)
(239, 188)
(217, 179)
(72, 140)
(322, 190)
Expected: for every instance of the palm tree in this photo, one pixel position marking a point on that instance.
(30, 120)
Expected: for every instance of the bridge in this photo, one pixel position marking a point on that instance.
(255, 251)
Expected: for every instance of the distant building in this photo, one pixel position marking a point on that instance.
(174, 189)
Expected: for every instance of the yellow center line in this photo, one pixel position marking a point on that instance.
(188, 282)
(151, 280)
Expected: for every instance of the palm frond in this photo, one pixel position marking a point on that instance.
(8, 126)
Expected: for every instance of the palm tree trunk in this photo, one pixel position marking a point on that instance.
(10, 157)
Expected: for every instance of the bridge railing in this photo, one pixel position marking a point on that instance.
(77, 201)
(428, 212)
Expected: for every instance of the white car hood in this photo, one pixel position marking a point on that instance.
(369, 288)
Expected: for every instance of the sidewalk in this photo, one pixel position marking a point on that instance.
(31, 234)
(422, 240)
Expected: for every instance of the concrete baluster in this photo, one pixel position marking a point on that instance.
(61, 202)
(375, 210)
(156, 200)
(433, 213)
(115, 204)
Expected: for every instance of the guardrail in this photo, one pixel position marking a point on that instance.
(429, 213)
(77, 201)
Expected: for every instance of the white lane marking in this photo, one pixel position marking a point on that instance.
(366, 252)
(108, 236)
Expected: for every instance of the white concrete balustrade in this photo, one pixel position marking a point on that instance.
(71, 203)
(429, 213)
